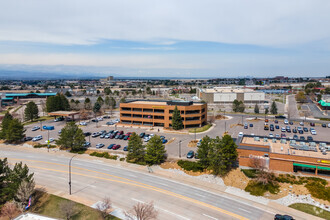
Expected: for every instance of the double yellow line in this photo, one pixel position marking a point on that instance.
(126, 181)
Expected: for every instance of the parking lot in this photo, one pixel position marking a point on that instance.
(178, 145)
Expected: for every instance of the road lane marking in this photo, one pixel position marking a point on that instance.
(244, 210)
(169, 193)
(210, 217)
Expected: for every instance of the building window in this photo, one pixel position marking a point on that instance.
(137, 109)
(159, 110)
(126, 109)
(147, 110)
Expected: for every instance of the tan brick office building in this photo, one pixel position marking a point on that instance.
(286, 155)
(159, 113)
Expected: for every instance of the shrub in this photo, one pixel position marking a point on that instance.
(104, 154)
(318, 190)
(79, 151)
(44, 145)
(122, 159)
(190, 166)
(258, 189)
(251, 173)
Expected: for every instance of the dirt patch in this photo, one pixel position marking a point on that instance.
(220, 117)
(193, 143)
(170, 141)
(236, 178)
(234, 125)
(174, 165)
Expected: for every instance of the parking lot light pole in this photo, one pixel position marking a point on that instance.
(180, 148)
(195, 134)
(70, 172)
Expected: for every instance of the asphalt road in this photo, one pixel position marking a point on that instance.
(94, 179)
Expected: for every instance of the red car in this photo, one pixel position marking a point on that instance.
(117, 146)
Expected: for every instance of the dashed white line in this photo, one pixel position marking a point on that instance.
(210, 217)
(244, 210)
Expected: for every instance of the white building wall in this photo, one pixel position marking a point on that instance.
(224, 97)
(254, 96)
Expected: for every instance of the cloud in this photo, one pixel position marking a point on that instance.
(84, 22)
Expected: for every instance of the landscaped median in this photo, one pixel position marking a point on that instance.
(310, 209)
(201, 129)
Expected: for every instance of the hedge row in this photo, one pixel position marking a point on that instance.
(190, 166)
(105, 155)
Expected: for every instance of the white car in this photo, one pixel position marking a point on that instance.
(99, 145)
(50, 140)
(83, 123)
(329, 125)
(313, 132)
(240, 134)
(286, 121)
(271, 135)
(37, 138)
(301, 123)
(100, 119)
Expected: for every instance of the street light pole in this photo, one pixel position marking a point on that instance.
(195, 133)
(180, 148)
(70, 172)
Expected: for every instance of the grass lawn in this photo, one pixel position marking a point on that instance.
(48, 205)
(310, 209)
(198, 130)
(42, 118)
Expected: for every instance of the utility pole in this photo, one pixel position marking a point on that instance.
(70, 172)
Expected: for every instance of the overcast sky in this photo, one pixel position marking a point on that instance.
(205, 38)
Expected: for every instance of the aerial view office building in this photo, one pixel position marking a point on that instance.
(159, 113)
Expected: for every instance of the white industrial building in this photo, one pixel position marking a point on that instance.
(228, 95)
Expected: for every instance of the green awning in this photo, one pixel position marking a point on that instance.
(324, 104)
(323, 168)
(303, 165)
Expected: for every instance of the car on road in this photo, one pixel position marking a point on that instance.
(266, 120)
(283, 217)
(35, 128)
(111, 146)
(116, 147)
(324, 125)
(99, 145)
(142, 134)
(37, 138)
(125, 148)
(280, 116)
(190, 154)
(59, 119)
(312, 124)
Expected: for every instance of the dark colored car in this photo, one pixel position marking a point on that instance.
(112, 136)
(27, 139)
(251, 125)
(276, 121)
(312, 124)
(164, 141)
(109, 123)
(305, 129)
(291, 122)
(111, 146)
(283, 217)
(280, 116)
(190, 154)
(126, 137)
(142, 135)
(309, 138)
(301, 131)
(125, 148)
(106, 116)
(196, 156)
(271, 128)
(116, 147)
(302, 138)
(295, 137)
(283, 135)
(246, 127)
(294, 130)
(277, 126)
(95, 120)
(324, 125)
(121, 136)
(121, 132)
(87, 134)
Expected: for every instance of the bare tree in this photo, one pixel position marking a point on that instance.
(68, 209)
(263, 175)
(9, 210)
(142, 211)
(104, 207)
(25, 190)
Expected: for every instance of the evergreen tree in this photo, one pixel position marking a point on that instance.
(266, 111)
(5, 124)
(107, 101)
(107, 91)
(273, 108)
(96, 108)
(57, 103)
(256, 109)
(71, 137)
(155, 151)
(176, 119)
(203, 151)
(136, 150)
(87, 103)
(15, 131)
(113, 102)
(68, 94)
(31, 111)
(238, 106)
(122, 100)
(100, 100)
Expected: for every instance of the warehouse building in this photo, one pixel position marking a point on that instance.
(223, 95)
(278, 154)
(159, 113)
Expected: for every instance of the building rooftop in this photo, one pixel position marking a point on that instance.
(26, 94)
(227, 90)
(164, 102)
(314, 149)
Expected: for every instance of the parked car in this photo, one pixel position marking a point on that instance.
(142, 135)
(276, 121)
(277, 135)
(35, 128)
(300, 131)
(106, 116)
(309, 138)
(246, 126)
(324, 125)
(125, 148)
(190, 154)
(83, 123)
(294, 130)
(50, 140)
(283, 135)
(94, 120)
(100, 119)
(95, 134)
(86, 144)
(280, 116)
(109, 123)
(305, 129)
(277, 126)
(37, 138)
(87, 133)
(312, 124)
(329, 125)
(301, 123)
(251, 125)
(313, 132)
(126, 137)
(240, 134)
(58, 119)
(283, 129)
(291, 122)
(302, 138)
(116, 147)
(286, 121)
(295, 137)
(99, 145)
(111, 146)
(27, 139)
(164, 141)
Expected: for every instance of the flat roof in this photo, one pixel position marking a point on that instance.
(26, 94)
(230, 90)
(288, 146)
(62, 113)
(162, 102)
